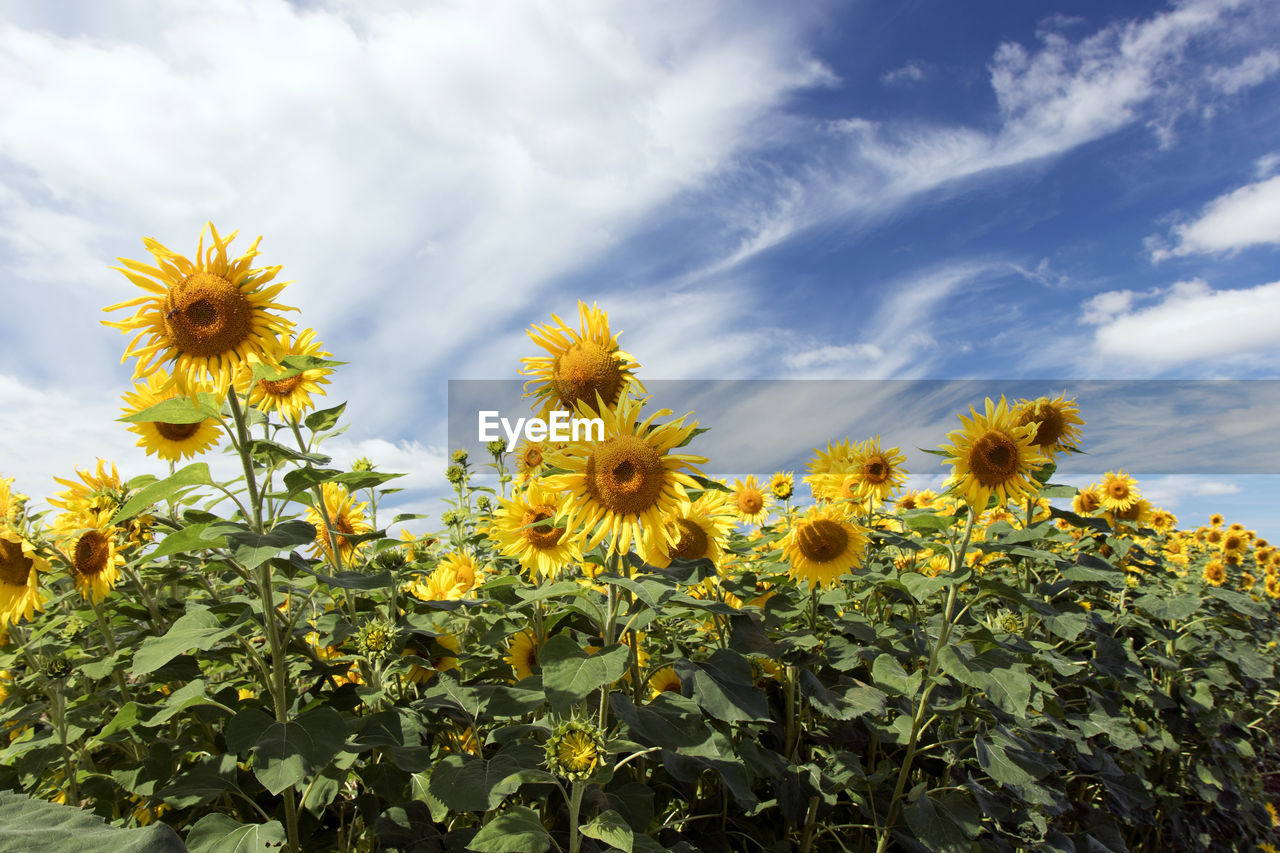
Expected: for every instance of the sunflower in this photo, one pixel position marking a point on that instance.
(20, 567)
(522, 653)
(992, 455)
(1216, 520)
(1213, 536)
(1119, 491)
(1138, 513)
(575, 749)
(1163, 521)
(907, 500)
(290, 396)
(94, 560)
(463, 568)
(630, 480)
(1057, 423)
(531, 457)
(1234, 543)
(880, 472)
(664, 680)
(1215, 573)
(1087, 500)
(523, 528)
(420, 674)
(172, 442)
(580, 367)
(347, 517)
(10, 501)
(700, 529)
(783, 485)
(823, 545)
(750, 502)
(92, 502)
(834, 459)
(203, 318)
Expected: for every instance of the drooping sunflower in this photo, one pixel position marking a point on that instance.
(580, 366)
(750, 502)
(348, 519)
(1119, 491)
(20, 567)
(290, 396)
(664, 680)
(525, 527)
(625, 484)
(992, 455)
(1057, 421)
(783, 485)
(1087, 500)
(701, 529)
(94, 561)
(204, 318)
(522, 653)
(823, 545)
(10, 501)
(172, 442)
(91, 502)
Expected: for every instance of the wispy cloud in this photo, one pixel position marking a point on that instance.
(906, 75)
(1249, 72)
(1247, 216)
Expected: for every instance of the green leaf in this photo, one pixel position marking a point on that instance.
(843, 700)
(610, 828)
(466, 783)
(995, 760)
(27, 825)
(725, 688)
(946, 822)
(289, 752)
(178, 410)
(669, 720)
(889, 674)
(569, 674)
(217, 833)
(196, 537)
(252, 549)
(197, 629)
(517, 830)
(196, 474)
(187, 696)
(124, 720)
(323, 419)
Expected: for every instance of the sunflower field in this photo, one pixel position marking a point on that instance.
(602, 648)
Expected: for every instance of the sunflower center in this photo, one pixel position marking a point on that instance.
(693, 540)
(994, 458)
(582, 371)
(93, 551)
(206, 315)
(1089, 501)
(15, 566)
(821, 541)
(542, 536)
(532, 457)
(625, 474)
(750, 501)
(280, 387)
(1118, 489)
(577, 752)
(875, 470)
(176, 432)
(1049, 422)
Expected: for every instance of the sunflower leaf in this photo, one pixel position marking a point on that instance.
(196, 474)
(178, 410)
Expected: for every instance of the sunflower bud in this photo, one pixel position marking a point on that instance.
(575, 750)
(363, 463)
(455, 474)
(497, 447)
(460, 456)
(392, 558)
(58, 667)
(484, 503)
(375, 638)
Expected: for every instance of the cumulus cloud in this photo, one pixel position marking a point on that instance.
(1184, 323)
(1247, 216)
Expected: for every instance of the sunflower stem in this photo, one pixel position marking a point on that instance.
(59, 711)
(575, 806)
(242, 445)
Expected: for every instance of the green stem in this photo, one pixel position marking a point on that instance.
(59, 710)
(575, 806)
(242, 445)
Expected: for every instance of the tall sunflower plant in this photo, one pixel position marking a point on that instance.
(610, 648)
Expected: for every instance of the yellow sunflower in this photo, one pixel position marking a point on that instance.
(701, 529)
(531, 457)
(347, 517)
(20, 567)
(580, 366)
(91, 502)
(830, 461)
(823, 545)
(1057, 423)
(523, 528)
(992, 455)
(291, 396)
(204, 317)
(750, 502)
(880, 472)
(522, 653)
(1087, 500)
(1139, 512)
(1119, 491)
(172, 442)
(1163, 520)
(419, 674)
(628, 482)
(463, 568)
(783, 485)
(94, 560)
(1215, 573)
(10, 501)
(664, 680)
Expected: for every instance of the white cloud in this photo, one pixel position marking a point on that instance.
(1172, 490)
(1247, 216)
(1266, 165)
(912, 72)
(1190, 322)
(828, 355)
(1249, 72)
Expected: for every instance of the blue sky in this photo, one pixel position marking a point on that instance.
(998, 190)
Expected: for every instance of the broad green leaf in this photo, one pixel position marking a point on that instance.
(196, 629)
(610, 828)
(569, 674)
(195, 537)
(196, 474)
(289, 752)
(725, 688)
(323, 419)
(28, 825)
(889, 674)
(217, 833)
(252, 549)
(516, 830)
(668, 720)
(466, 783)
(187, 696)
(178, 410)
(945, 822)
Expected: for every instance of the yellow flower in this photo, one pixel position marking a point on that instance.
(347, 517)
(822, 546)
(1215, 574)
(1087, 500)
(750, 503)
(205, 318)
(531, 457)
(700, 530)
(575, 749)
(10, 501)
(94, 560)
(879, 472)
(419, 674)
(20, 567)
(664, 680)
(522, 653)
(1057, 423)
(172, 442)
(1119, 491)
(992, 455)
(524, 528)
(579, 366)
(92, 502)
(290, 396)
(463, 568)
(1275, 816)
(783, 485)
(628, 482)
(1163, 521)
